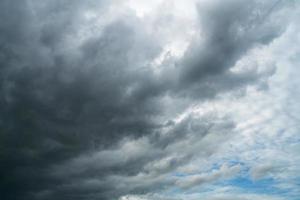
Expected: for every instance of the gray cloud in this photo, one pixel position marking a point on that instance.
(83, 115)
(263, 170)
(199, 179)
(227, 32)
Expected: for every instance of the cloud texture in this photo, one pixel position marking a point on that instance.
(134, 100)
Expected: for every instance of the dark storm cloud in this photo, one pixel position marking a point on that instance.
(80, 118)
(227, 31)
(138, 166)
(54, 105)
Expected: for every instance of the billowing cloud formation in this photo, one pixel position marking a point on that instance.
(129, 100)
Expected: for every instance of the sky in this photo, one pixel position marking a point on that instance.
(149, 100)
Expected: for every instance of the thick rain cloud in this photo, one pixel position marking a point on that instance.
(94, 105)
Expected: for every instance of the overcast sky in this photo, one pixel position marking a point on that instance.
(149, 100)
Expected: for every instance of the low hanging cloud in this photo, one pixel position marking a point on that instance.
(92, 106)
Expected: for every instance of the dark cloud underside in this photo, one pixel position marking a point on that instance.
(83, 112)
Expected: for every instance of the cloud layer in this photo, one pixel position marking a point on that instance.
(136, 100)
